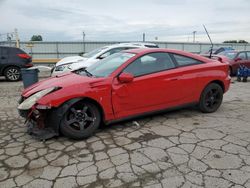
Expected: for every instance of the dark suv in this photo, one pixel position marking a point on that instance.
(11, 61)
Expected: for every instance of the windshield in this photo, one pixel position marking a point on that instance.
(108, 65)
(94, 52)
(230, 55)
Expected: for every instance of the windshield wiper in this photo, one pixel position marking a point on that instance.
(87, 73)
(81, 70)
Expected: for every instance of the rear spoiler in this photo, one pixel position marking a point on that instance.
(213, 57)
(217, 58)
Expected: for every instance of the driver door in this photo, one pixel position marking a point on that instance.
(155, 86)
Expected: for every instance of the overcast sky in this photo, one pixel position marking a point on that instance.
(113, 20)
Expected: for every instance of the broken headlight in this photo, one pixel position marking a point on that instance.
(30, 101)
(62, 67)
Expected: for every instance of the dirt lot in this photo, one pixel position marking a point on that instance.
(184, 148)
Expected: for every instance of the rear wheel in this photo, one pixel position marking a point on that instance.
(211, 98)
(12, 73)
(80, 120)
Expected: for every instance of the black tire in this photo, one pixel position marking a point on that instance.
(80, 120)
(12, 74)
(211, 98)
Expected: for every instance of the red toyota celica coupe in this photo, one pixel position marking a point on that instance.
(124, 85)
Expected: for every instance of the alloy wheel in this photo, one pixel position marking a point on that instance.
(13, 74)
(80, 119)
(213, 98)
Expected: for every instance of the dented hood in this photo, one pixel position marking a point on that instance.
(63, 80)
(71, 59)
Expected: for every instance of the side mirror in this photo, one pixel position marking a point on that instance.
(237, 59)
(125, 77)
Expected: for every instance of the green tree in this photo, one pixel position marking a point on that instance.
(235, 41)
(36, 38)
(242, 41)
(230, 41)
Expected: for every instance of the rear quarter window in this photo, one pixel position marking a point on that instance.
(248, 55)
(242, 55)
(185, 61)
(16, 51)
(4, 51)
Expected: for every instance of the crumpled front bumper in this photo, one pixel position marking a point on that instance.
(40, 133)
(36, 123)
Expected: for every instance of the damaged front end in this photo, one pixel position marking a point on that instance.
(38, 125)
(38, 117)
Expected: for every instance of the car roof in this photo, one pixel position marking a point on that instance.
(236, 51)
(149, 50)
(142, 51)
(132, 44)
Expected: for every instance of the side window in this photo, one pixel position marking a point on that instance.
(110, 52)
(248, 55)
(150, 63)
(185, 61)
(4, 51)
(242, 55)
(115, 50)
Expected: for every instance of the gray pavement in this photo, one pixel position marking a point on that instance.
(184, 148)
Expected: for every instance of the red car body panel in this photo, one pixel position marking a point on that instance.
(152, 92)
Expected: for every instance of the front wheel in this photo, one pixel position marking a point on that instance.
(80, 120)
(211, 98)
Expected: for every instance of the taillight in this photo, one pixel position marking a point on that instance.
(24, 56)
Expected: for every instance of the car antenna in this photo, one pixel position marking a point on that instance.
(211, 51)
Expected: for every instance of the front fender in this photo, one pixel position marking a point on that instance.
(55, 115)
(100, 94)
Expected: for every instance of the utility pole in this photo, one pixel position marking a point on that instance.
(143, 37)
(17, 39)
(83, 39)
(194, 32)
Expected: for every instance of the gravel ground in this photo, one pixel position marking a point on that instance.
(184, 148)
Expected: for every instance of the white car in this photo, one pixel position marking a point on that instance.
(75, 62)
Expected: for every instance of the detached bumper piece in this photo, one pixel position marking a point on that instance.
(37, 126)
(40, 133)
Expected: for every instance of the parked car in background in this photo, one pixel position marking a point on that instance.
(71, 63)
(126, 84)
(235, 59)
(11, 61)
(219, 50)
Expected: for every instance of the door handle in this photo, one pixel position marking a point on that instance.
(173, 79)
